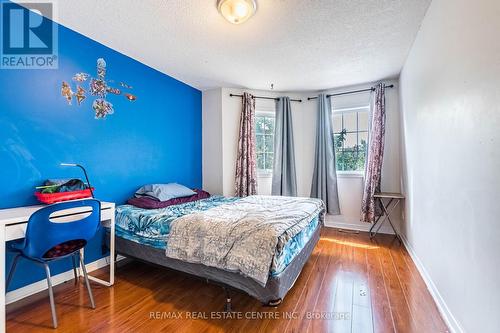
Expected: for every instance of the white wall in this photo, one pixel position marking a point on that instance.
(227, 112)
(221, 116)
(303, 123)
(351, 186)
(212, 172)
(231, 110)
(450, 99)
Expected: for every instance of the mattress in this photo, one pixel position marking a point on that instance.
(151, 227)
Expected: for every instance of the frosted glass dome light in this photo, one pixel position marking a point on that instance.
(237, 11)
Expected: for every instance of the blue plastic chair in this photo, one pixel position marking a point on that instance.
(47, 241)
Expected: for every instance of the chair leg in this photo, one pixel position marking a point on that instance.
(51, 295)
(73, 259)
(87, 282)
(12, 270)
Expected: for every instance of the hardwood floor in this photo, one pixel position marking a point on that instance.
(350, 284)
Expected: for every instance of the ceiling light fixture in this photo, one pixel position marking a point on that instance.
(237, 11)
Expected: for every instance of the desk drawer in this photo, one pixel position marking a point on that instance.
(107, 214)
(15, 231)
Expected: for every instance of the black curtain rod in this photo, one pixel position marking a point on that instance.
(350, 92)
(262, 97)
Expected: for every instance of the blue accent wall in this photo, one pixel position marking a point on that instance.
(156, 139)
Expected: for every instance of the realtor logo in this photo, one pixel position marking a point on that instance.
(28, 36)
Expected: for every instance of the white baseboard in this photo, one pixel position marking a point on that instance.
(385, 229)
(448, 317)
(36, 287)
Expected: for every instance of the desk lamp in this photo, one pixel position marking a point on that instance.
(84, 172)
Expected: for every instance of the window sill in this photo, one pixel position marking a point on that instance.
(350, 174)
(264, 175)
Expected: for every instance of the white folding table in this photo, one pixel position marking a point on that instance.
(13, 222)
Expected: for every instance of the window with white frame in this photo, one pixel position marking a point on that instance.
(350, 137)
(264, 133)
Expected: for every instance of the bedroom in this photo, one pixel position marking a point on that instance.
(249, 166)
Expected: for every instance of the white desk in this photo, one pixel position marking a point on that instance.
(13, 222)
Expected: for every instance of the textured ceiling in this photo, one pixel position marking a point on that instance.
(295, 44)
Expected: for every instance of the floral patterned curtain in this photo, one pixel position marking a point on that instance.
(373, 172)
(246, 168)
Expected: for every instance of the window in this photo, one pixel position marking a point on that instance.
(350, 135)
(264, 132)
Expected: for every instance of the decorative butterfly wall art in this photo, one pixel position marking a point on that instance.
(97, 87)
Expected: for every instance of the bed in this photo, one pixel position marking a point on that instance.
(173, 237)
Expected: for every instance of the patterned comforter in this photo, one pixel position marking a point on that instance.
(153, 225)
(241, 236)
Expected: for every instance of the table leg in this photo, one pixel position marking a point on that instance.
(111, 257)
(371, 232)
(380, 220)
(112, 251)
(388, 216)
(2, 279)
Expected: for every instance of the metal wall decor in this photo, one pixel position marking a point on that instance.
(97, 87)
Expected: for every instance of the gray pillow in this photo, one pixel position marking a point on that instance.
(164, 192)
